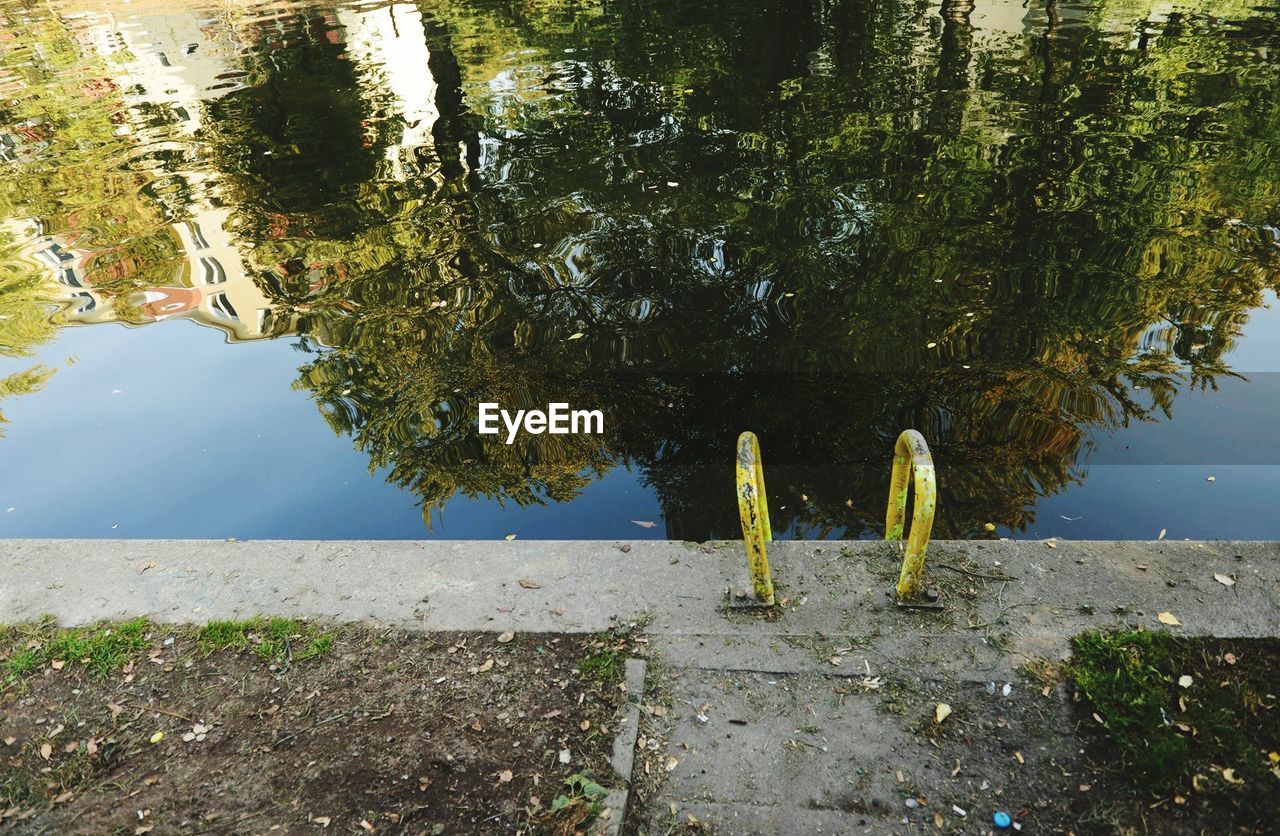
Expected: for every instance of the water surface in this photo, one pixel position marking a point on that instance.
(262, 261)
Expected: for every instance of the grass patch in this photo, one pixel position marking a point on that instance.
(1217, 735)
(26, 649)
(101, 648)
(272, 639)
(603, 666)
(606, 661)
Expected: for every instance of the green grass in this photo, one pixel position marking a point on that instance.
(1130, 678)
(101, 648)
(272, 639)
(602, 666)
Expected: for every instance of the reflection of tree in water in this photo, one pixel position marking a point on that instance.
(1005, 249)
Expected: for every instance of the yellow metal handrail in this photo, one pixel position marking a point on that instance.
(911, 456)
(753, 508)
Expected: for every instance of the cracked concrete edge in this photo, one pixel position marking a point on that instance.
(624, 750)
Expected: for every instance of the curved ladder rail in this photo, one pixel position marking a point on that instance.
(911, 457)
(753, 509)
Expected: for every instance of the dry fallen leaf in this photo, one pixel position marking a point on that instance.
(1223, 579)
(1168, 618)
(1185, 680)
(150, 564)
(528, 584)
(577, 336)
(58, 664)
(511, 536)
(505, 776)
(46, 751)
(941, 712)
(487, 666)
(1229, 658)
(365, 824)
(506, 637)
(323, 821)
(672, 763)
(10, 740)
(1018, 755)
(1229, 775)
(564, 756)
(157, 737)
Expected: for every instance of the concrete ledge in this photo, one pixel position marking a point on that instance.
(1002, 597)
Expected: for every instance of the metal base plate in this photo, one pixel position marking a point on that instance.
(930, 600)
(743, 599)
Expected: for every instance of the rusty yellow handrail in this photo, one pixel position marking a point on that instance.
(911, 456)
(753, 508)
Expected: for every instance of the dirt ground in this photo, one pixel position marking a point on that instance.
(380, 732)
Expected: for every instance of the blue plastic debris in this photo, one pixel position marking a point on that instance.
(1001, 820)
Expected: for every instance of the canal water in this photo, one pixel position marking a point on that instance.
(260, 264)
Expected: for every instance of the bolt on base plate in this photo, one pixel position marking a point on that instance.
(930, 600)
(743, 599)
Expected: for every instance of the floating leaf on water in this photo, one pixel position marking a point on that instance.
(1163, 532)
(644, 523)
(511, 536)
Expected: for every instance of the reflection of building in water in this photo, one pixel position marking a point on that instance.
(165, 67)
(390, 44)
(211, 287)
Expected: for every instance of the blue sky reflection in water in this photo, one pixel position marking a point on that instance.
(1047, 237)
